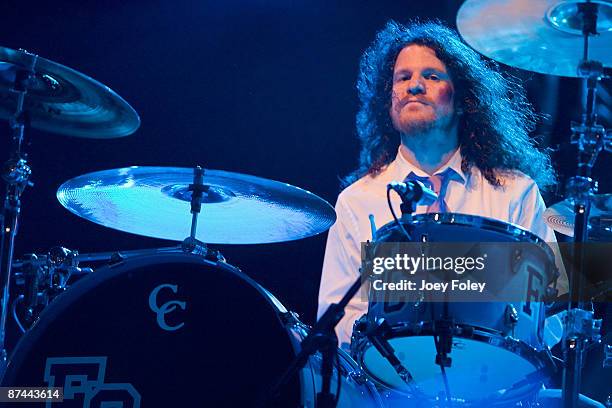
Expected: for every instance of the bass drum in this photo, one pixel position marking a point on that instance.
(172, 330)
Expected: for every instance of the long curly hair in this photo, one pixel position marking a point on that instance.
(495, 119)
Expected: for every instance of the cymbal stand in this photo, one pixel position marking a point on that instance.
(191, 244)
(591, 138)
(16, 174)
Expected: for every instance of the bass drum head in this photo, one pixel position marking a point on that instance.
(479, 373)
(170, 330)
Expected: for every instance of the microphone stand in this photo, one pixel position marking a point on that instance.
(322, 337)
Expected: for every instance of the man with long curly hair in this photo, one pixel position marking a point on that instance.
(431, 107)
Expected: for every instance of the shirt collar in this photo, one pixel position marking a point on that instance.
(404, 167)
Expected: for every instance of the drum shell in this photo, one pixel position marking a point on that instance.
(525, 256)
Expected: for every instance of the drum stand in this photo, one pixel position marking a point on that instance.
(591, 138)
(16, 174)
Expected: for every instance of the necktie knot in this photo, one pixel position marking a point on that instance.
(437, 183)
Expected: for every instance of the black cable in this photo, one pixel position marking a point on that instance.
(339, 385)
(399, 224)
(14, 310)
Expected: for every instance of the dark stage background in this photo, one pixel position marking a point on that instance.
(259, 87)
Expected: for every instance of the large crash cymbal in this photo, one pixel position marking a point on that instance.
(560, 217)
(543, 36)
(237, 209)
(62, 100)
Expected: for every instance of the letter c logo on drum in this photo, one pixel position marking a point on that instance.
(166, 308)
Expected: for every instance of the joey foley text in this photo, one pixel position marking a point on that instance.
(405, 264)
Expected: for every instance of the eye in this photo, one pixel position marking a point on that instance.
(433, 77)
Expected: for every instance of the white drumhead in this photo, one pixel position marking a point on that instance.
(478, 370)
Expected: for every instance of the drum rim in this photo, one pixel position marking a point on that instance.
(468, 220)
(525, 351)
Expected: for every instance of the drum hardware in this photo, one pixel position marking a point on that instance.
(580, 322)
(42, 279)
(512, 317)
(443, 338)
(443, 341)
(376, 333)
(321, 338)
(16, 174)
(39, 93)
(412, 192)
(197, 190)
(191, 244)
(516, 259)
(590, 138)
(607, 360)
(358, 376)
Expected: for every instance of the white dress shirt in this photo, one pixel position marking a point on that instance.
(517, 201)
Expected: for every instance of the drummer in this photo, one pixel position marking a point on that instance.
(432, 109)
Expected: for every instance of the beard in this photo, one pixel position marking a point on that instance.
(418, 127)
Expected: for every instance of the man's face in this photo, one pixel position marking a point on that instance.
(422, 96)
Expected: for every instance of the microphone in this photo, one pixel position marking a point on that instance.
(413, 190)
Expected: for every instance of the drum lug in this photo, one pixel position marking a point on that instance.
(511, 317)
(116, 258)
(607, 361)
(291, 319)
(515, 261)
(551, 293)
(358, 376)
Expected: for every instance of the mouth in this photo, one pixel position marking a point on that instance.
(412, 105)
(415, 101)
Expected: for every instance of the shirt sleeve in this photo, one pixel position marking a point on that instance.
(340, 270)
(530, 215)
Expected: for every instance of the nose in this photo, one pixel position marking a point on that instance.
(416, 87)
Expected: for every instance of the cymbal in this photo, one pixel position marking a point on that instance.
(237, 209)
(64, 101)
(560, 217)
(543, 36)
